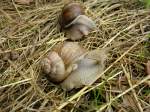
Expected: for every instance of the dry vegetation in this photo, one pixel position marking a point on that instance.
(32, 30)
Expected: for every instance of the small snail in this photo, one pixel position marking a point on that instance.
(74, 21)
(72, 66)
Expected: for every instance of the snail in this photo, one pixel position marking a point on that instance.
(74, 21)
(59, 62)
(73, 66)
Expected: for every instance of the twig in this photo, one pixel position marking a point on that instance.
(15, 83)
(16, 8)
(133, 91)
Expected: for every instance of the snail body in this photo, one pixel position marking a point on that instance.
(81, 76)
(87, 72)
(74, 21)
(72, 66)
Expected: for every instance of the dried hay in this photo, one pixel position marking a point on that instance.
(31, 30)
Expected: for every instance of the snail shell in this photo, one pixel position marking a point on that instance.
(59, 63)
(87, 72)
(69, 12)
(69, 51)
(46, 65)
(54, 67)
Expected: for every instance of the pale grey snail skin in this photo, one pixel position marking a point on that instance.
(88, 69)
(74, 21)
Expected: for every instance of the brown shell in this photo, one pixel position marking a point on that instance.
(59, 62)
(69, 12)
(69, 51)
(46, 65)
(53, 66)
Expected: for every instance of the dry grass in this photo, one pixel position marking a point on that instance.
(31, 30)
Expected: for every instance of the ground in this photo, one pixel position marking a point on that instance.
(28, 32)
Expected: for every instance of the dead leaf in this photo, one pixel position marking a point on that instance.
(129, 103)
(24, 1)
(13, 55)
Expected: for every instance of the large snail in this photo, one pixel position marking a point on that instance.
(59, 62)
(72, 66)
(74, 21)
